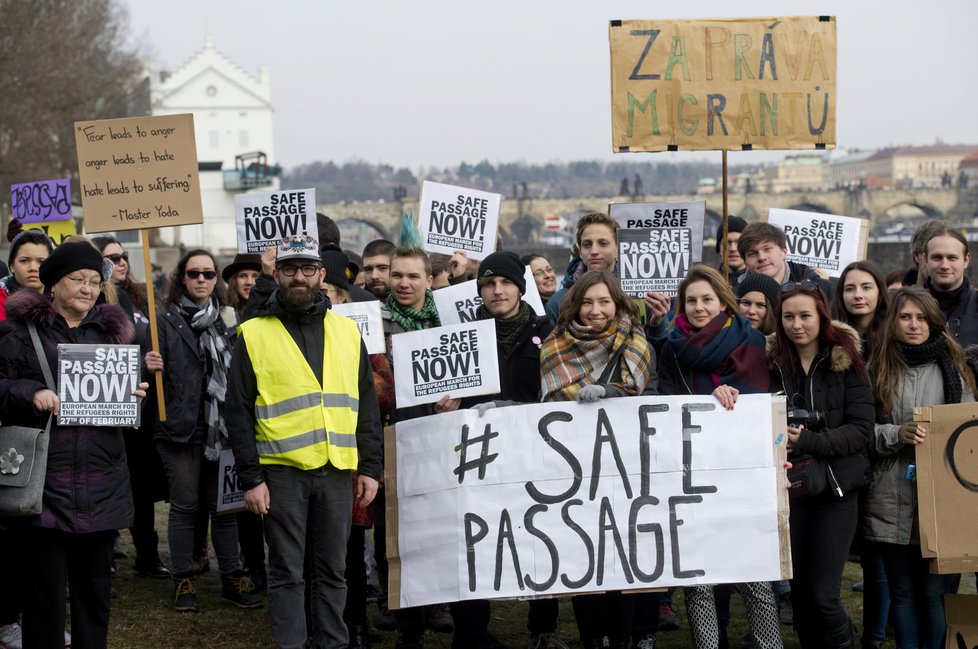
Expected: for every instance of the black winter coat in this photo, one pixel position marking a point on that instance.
(87, 484)
(183, 376)
(832, 386)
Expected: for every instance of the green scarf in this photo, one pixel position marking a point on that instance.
(411, 320)
(508, 330)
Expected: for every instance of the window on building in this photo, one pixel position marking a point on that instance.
(215, 139)
(243, 138)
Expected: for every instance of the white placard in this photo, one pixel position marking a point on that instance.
(230, 495)
(459, 302)
(567, 498)
(825, 241)
(265, 218)
(459, 360)
(657, 243)
(96, 384)
(368, 319)
(454, 218)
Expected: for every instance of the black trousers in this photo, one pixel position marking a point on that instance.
(608, 614)
(52, 560)
(822, 529)
(355, 613)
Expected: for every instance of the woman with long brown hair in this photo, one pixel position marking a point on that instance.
(818, 365)
(917, 363)
(861, 300)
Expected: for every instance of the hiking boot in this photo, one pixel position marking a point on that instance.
(439, 619)
(184, 594)
(237, 589)
(667, 618)
(546, 641)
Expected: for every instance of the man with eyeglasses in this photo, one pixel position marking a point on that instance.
(302, 416)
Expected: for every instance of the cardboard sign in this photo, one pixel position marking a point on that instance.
(454, 218)
(138, 172)
(947, 485)
(96, 384)
(823, 241)
(657, 243)
(57, 230)
(42, 201)
(459, 302)
(368, 319)
(762, 83)
(961, 612)
(569, 498)
(230, 494)
(458, 360)
(265, 218)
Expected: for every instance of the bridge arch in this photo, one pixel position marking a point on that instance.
(806, 206)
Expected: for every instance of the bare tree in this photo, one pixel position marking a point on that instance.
(61, 61)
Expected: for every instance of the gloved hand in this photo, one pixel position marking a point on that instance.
(912, 433)
(590, 393)
(481, 408)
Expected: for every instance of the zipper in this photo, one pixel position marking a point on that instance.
(811, 404)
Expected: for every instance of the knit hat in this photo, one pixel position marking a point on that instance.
(242, 261)
(761, 284)
(504, 263)
(67, 258)
(734, 224)
(335, 262)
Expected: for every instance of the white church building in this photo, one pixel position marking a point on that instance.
(233, 127)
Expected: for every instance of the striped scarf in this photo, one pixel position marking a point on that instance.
(577, 355)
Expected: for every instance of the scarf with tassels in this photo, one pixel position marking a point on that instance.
(576, 355)
(214, 350)
(414, 320)
(727, 351)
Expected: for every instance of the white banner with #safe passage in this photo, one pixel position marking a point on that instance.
(230, 495)
(369, 321)
(96, 384)
(265, 218)
(823, 241)
(459, 302)
(569, 498)
(457, 360)
(454, 218)
(657, 243)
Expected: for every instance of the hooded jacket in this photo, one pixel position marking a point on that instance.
(87, 485)
(832, 386)
(306, 329)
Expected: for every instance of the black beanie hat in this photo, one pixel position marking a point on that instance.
(67, 258)
(762, 284)
(504, 263)
(335, 262)
(734, 224)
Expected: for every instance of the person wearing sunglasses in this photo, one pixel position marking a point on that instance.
(817, 362)
(195, 355)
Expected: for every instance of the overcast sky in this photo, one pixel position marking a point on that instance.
(435, 82)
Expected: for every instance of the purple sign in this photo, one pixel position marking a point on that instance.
(41, 201)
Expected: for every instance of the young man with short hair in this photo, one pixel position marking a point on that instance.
(764, 248)
(377, 267)
(947, 260)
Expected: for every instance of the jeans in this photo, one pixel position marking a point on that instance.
(317, 503)
(822, 528)
(190, 475)
(876, 595)
(916, 596)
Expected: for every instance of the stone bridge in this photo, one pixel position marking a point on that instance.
(521, 220)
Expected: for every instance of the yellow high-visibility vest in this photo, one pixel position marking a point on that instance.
(297, 421)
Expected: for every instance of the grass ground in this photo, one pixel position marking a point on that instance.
(142, 615)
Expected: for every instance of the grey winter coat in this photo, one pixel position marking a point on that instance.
(890, 505)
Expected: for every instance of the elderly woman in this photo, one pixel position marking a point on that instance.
(86, 491)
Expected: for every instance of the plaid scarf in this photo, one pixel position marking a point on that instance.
(411, 320)
(576, 356)
(727, 351)
(213, 347)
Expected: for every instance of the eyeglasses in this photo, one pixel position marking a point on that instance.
(307, 269)
(543, 271)
(117, 259)
(78, 282)
(805, 285)
(194, 274)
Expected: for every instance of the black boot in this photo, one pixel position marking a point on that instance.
(841, 638)
(237, 589)
(184, 593)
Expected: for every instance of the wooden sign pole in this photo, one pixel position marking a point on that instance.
(726, 221)
(154, 336)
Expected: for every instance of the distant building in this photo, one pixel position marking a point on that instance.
(908, 166)
(233, 125)
(797, 173)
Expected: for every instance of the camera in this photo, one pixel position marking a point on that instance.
(813, 420)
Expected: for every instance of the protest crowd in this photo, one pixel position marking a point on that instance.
(254, 360)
